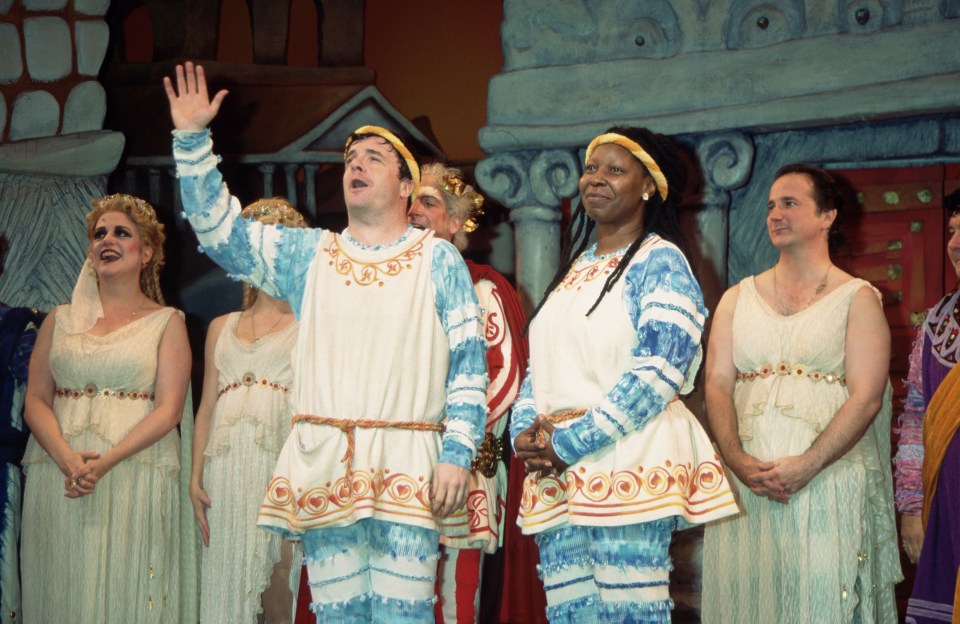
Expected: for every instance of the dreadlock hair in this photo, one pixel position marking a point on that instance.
(659, 215)
(275, 211)
(144, 218)
(828, 194)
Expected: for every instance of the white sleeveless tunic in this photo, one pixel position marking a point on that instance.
(359, 305)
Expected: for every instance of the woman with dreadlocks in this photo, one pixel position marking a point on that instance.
(616, 463)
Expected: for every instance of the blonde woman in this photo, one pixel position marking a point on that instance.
(107, 387)
(242, 422)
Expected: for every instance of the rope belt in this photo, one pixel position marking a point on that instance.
(349, 427)
(249, 379)
(565, 415)
(559, 417)
(784, 369)
(91, 391)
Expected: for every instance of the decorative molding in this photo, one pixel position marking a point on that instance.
(554, 175)
(727, 159)
(519, 179)
(86, 154)
(896, 71)
(582, 32)
(504, 178)
(759, 23)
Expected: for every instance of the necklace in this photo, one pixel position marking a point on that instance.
(253, 325)
(136, 310)
(786, 310)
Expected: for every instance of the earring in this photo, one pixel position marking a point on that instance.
(646, 196)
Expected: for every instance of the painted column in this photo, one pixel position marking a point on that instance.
(532, 185)
(727, 162)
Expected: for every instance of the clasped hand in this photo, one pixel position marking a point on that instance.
(82, 470)
(776, 479)
(534, 446)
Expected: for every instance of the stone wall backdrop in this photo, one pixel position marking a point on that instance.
(54, 155)
(745, 86)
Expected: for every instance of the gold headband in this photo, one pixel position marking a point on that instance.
(143, 208)
(454, 185)
(397, 144)
(284, 213)
(634, 148)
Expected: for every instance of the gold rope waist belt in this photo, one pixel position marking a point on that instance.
(784, 369)
(91, 391)
(565, 415)
(573, 414)
(249, 379)
(349, 427)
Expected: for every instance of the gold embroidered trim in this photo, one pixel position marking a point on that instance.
(575, 278)
(367, 273)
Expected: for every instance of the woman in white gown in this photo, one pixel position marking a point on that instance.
(242, 422)
(107, 387)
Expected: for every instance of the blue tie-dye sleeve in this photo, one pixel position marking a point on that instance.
(461, 318)
(273, 258)
(665, 306)
(524, 409)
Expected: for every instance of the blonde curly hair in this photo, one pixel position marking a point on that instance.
(144, 218)
(462, 200)
(273, 211)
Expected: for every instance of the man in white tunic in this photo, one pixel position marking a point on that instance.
(369, 477)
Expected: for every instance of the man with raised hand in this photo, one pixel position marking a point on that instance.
(390, 347)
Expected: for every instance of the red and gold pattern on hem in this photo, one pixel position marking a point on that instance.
(785, 369)
(249, 379)
(368, 273)
(370, 492)
(91, 391)
(478, 511)
(483, 526)
(600, 495)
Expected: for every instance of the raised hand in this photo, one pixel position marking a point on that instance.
(190, 105)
